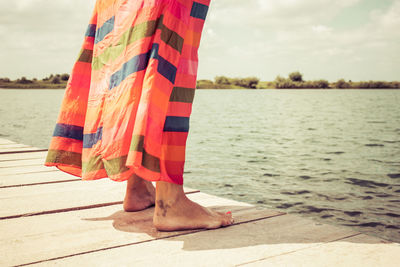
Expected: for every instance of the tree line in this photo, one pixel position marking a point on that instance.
(54, 79)
(293, 81)
(223, 82)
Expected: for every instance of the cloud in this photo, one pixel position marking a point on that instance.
(269, 37)
(259, 37)
(276, 14)
(321, 29)
(41, 37)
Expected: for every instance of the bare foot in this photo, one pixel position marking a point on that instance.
(140, 194)
(177, 212)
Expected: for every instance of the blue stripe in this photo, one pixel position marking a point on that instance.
(107, 27)
(176, 124)
(166, 69)
(68, 131)
(91, 30)
(137, 63)
(199, 11)
(89, 140)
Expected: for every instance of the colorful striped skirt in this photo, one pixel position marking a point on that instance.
(128, 101)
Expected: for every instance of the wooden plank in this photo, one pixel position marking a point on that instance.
(47, 198)
(14, 145)
(6, 141)
(228, 246)
(40, 238)
(7, 147)
(26, 179)
(360, 250)
(26, 169)
(20, 163)
(23, 156)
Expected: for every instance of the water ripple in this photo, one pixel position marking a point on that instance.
(353, 213)
(301, 192)
(365, 183)
(374, 145)
(305, 177)
(394, 175)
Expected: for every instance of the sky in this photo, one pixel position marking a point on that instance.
(323, 39)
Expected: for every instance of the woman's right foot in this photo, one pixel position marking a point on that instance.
(174, 211)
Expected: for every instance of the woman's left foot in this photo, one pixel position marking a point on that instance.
(140, 194)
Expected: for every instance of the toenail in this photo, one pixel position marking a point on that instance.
(229, 212)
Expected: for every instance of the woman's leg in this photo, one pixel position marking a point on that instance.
(174, 211)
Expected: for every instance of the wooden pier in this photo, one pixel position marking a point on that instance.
(52, 218)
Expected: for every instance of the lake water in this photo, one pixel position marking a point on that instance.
(330, 155)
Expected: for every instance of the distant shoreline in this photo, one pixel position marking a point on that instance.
(62, 88)
(31, 88)
(293, 81)
(32, 85)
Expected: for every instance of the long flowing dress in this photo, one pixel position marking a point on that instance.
(128, 101)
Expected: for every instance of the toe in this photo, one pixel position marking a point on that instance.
(227, 219)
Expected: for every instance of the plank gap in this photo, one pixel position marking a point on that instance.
(42, 183)
(22, 151)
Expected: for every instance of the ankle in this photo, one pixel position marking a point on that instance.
(135, 182)
(169, 193)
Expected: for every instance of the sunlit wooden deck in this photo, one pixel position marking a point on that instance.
(52, 218)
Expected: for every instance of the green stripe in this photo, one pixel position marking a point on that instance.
(113, 166)
(116, 166)
(182, 94)
(138, 32)
(137, 143)
(64, 157)
(150, 162)
(171, 38)
(94, 164)
(86, 56)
